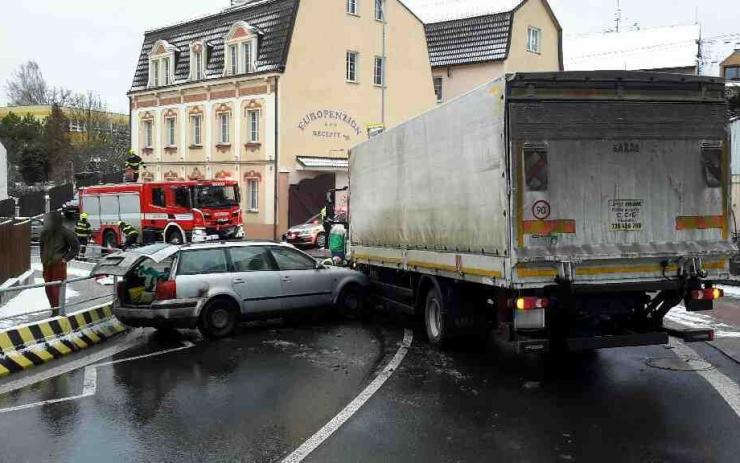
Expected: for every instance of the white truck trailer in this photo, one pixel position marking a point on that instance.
(565, 210)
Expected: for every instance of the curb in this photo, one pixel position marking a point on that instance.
(27, 346)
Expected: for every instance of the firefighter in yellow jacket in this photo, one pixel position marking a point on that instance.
(83, 231)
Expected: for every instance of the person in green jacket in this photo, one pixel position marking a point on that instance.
(130, 233)
(337, 239)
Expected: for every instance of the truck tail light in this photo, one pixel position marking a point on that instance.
(166, 290)
(707, 294)
(530, 303)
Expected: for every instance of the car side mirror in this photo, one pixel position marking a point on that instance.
(320, 266)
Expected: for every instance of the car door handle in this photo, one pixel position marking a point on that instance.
(286, 278)
(237, 280)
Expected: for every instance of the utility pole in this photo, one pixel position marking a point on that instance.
(618, 16)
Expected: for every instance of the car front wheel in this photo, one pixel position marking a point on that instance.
(351, 300)
(218, 319)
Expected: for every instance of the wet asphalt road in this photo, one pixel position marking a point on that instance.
(259, 395)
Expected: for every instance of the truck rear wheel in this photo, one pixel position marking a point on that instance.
(110, 240)
(435, 318)
(174, 237)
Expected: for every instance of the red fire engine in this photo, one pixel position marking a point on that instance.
(175, 212)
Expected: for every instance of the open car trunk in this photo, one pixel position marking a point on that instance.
(141, 270)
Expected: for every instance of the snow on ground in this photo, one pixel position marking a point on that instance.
(72, 271)
(28, 302)
(688, 319)
(730, 291)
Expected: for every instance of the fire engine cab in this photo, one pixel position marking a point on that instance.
(175, 212)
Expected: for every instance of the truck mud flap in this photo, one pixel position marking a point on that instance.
(605, 342)
(692, 334)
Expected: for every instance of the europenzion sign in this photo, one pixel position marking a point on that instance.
(328, 123)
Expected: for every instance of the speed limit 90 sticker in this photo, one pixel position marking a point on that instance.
(541, 210)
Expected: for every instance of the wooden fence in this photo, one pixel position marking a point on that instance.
(15, 249)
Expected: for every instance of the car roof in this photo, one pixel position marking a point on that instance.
(231, 244)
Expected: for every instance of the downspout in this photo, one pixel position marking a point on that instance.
(277, 164)
(385, 74)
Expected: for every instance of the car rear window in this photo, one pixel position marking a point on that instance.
(202, 261)
(251, 259)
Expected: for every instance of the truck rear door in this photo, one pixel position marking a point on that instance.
(621, 168)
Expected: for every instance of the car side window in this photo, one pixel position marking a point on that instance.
(251, 259)
(290, 259)
(202, 261)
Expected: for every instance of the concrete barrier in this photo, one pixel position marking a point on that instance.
(26, 346)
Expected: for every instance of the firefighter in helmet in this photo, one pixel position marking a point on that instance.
(130, 234)
(134, 163)
(83, 231)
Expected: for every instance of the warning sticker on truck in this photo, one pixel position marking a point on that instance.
(625, 214)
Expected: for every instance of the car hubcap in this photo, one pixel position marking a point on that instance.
(351, 301)
(434, 318)
(321, 241)
(219, 318)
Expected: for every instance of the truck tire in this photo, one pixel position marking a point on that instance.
(110, 240)
(218, 319)
(174, 237)
(435, 318)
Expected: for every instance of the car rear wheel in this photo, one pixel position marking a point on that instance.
(174, 237)
(218, 319)
(436, 319)
(110, 240)
(321, 240)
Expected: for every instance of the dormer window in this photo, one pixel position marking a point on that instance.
(161, 64)
(241, 49)
(198, 61)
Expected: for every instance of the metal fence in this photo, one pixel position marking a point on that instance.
(15, 248)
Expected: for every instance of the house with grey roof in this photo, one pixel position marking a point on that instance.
(510, 36)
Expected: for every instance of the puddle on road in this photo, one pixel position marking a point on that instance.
(679, 364)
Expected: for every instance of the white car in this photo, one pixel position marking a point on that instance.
(212, 286)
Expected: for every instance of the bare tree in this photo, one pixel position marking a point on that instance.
(27, 86)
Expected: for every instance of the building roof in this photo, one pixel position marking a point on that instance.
(430, 11)
(654, 48)
(273, 18)
(469, 40)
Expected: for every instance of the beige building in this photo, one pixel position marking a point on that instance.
(468, 52)
(273, 93)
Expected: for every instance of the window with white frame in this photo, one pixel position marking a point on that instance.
(253, 121)
(248, 57)
(224, 125)
(170, 125)
(161, 64)
(379, 71)
(352, 7)
(75, 126)
(352, 61)
(438, 88)
(241, 49)
(380, 10)
(197, 61)
(195, 125)
(148, 134)
(253, 194)
(534, 36)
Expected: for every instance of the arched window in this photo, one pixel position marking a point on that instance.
(241, 49)
(198, 60)
(161, 64)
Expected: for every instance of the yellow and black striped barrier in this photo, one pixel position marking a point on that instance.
(34, 344)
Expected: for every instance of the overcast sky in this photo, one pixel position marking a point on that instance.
(93, 45)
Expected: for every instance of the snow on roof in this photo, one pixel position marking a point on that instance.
(653, 48)
(442, 10)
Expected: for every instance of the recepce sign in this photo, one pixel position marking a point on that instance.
(328, 123)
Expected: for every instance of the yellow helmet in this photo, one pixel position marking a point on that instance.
(83, 215)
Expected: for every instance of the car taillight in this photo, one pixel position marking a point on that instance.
(166, 290)
(121, 290)
(707, 294)
(530, 303)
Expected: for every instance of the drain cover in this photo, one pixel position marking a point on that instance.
(679, 364)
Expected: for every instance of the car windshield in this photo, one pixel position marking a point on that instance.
(216, 196)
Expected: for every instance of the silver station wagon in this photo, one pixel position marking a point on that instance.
(212, 286)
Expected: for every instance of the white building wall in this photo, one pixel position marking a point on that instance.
(3, 173)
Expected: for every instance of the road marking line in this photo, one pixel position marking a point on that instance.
(90, 379)
(331, 427)
(728, 389)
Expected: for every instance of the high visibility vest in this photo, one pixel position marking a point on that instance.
(128, 230)
(134, 162)
(83, 229)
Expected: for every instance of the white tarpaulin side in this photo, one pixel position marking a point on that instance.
(437, 181)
